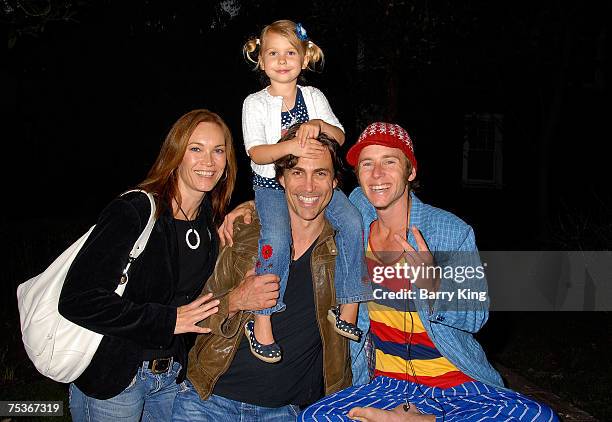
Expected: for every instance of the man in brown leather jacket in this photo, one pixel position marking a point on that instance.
(226, 382)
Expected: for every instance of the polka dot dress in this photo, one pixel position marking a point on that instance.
(265, 182)
(298, 114)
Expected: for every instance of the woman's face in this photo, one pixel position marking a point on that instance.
(204, 161)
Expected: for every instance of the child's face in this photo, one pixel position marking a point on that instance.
(280, 60)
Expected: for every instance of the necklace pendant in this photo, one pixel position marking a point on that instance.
(293, 119)
(197, 236)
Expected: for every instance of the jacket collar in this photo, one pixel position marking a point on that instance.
(327, 237)
(269, 96)
(368, 213)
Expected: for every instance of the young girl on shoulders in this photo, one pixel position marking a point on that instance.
(282, 52)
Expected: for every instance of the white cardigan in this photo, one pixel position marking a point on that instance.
(261, 120)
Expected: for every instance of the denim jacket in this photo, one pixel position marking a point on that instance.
(450, 330)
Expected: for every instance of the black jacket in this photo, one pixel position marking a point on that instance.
(142, 318)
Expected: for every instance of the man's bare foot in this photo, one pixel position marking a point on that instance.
(263, 329)
(398, 414)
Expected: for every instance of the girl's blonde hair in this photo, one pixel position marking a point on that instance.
(287, 29)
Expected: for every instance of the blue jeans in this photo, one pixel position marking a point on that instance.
(362, 353)
(149, 397)
(351, 278)
(189, 407)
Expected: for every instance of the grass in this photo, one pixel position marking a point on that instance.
(562, 352)
(34, 246)
(38, 388)
(19, 380)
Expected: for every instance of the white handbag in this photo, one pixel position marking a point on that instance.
(60, 349)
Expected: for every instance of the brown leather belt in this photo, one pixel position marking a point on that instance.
(160, 366)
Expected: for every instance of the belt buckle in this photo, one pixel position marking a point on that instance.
(161, 366)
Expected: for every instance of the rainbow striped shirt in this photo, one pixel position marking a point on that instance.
(403, 348)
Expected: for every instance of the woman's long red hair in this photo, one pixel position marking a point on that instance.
(162, 178)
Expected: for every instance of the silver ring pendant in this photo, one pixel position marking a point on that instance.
(197, 235)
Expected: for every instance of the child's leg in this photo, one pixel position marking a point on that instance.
(273, 253)
(263, 329)
(348, 312)
(351, 281)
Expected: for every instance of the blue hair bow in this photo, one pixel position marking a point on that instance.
(300, 31)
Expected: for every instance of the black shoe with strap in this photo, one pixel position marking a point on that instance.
(269, 353)
(346, 329)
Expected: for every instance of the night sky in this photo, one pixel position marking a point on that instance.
(87, 100)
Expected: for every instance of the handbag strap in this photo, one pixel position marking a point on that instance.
(142, 240)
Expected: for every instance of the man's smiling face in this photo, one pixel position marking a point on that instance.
(383, 175)
(309, 186)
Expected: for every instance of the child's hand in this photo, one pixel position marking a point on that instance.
(311, 149)
(310, 129)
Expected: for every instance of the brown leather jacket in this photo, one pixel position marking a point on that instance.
(212, 353)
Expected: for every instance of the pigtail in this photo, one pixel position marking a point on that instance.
(314, 55)
(297, 36)
(250, 49)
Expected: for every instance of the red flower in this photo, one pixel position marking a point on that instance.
(258, 263)
(266, 251)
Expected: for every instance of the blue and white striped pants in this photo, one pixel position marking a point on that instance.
(471, 401)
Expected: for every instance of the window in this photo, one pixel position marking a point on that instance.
(482, 150)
